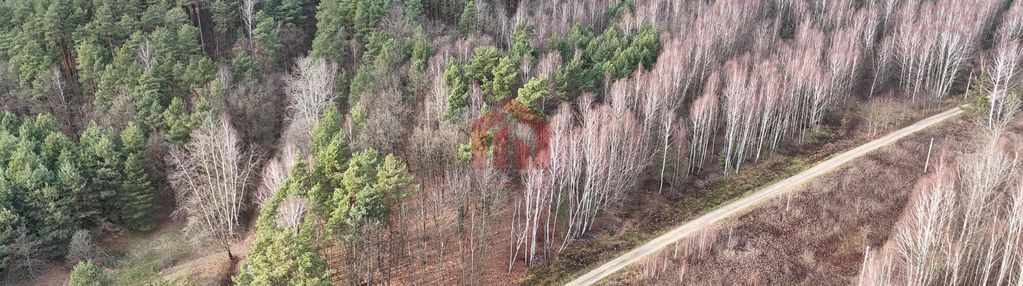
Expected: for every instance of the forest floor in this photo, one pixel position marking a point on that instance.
(816, 236)
(163, 253)
(648, 214)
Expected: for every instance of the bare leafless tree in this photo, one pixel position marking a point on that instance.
(83, 248)
(960, 227)
(210, 179)
(291, 212)
(384, 125)
(1003, 69)
(436, 102)
(530, 232)
(24, 257)
(881, 113)
(843, 57)
(59, 86)
(881, 63)
(310, 88)
(935, 39)
(551, 17)
(275, 172)
(145, 55)
(703, 118)
(248, 14)
(1012, 23)
(919, 235)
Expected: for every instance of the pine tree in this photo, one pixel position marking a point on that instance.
(30, 62)
(284, 258)
(265, 35)
(69, 178)
(361, 171)
(107, 90)
(467, 20)
(9, 226)
(329, 147)
(279, 256)
(332, 22)
(331, 162)
(54, 219)
(53, 146)
(8, 121)
(149, 98)
(325, 129)
(91, 60)
(200, 71)
(245, 67)
(24, 171)
(47, 210)
(535, 92)
(225, 16)
(504, 76)
(367, 14)
(392, 181)
(86, 273)
(574, 78)
(99, 153)
(136, 194)
(288, 11)
(456, 83)
(484, 60)
(178, 122)
(187, 41)
(521, 47)
(413, 12)
(421, 52)
(351, 201)
(104, 25)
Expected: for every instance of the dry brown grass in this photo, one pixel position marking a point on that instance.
(814, 237)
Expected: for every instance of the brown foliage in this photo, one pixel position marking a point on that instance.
(522, 112)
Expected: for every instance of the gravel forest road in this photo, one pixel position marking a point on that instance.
(741, 205)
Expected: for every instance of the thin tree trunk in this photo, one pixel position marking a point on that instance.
(230, 255)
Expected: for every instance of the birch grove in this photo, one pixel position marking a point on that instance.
(961, 225)
(935, 40)
(730, 80)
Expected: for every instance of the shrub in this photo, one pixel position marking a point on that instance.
(86, 273)
(82, 248)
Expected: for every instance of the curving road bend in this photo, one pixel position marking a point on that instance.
(743, 204)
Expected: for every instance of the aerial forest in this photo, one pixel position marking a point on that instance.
(482, 142)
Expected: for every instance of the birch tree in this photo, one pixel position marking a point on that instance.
(310, 88)
(1003, 69)
(210, 180)
(703, 118)
(961, 225)
(248, 9)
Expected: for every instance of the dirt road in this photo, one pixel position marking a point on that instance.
(744, 204)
